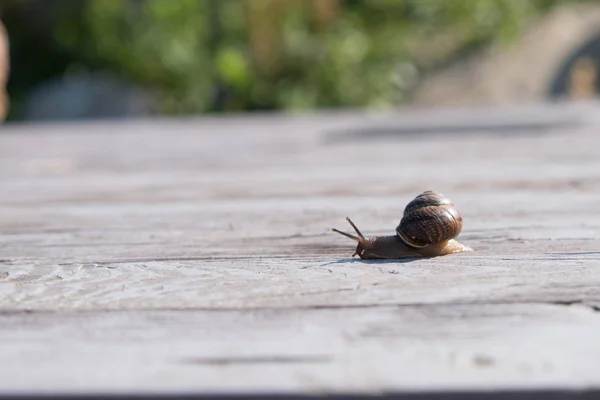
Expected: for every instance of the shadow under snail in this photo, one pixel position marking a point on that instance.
(428, 228)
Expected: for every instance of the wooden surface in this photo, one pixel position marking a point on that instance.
(196, 255)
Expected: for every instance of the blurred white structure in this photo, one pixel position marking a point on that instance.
(557, 57)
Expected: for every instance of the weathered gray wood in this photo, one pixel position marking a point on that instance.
(151, 242)
(349, 349)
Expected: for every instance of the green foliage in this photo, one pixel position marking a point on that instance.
(209, 55)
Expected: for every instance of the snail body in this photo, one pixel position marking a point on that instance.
(428, 228)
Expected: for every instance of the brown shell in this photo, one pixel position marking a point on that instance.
(429, 218)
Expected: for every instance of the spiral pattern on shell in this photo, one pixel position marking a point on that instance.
(429, 218)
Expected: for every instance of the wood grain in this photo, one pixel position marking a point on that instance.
(197, 254)
(370, 349)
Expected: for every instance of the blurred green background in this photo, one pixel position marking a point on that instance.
(198, 56)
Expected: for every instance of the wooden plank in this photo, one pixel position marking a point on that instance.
(412, 348)
(157, 241)
(240, 282)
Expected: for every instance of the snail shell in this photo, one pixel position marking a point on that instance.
(428, 228)
(429, 218)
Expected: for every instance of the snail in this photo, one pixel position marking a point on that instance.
(428, 228)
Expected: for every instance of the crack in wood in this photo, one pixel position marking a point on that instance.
(167, 259)
(276, 359)
(318, 250)
(591, 304)
(568, 303)
(437, 394)
(373, 132)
